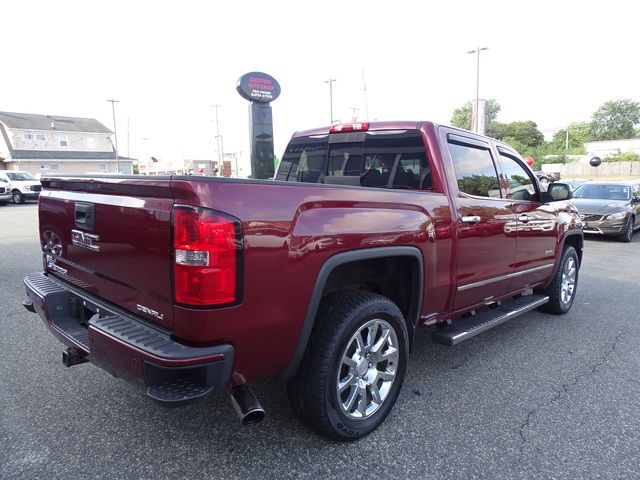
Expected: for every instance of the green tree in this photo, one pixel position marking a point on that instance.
(579, 134)
(623, 157)
(616, 120)
(524, 133)
(462, 117)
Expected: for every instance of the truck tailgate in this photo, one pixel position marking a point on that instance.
(112, 237)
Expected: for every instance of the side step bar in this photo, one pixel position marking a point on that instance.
(464, 329)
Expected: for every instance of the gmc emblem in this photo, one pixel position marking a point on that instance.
(85, 240)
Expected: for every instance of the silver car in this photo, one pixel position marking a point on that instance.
(609, 208)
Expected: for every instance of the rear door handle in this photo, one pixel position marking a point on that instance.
(85, 215)
(471, 219)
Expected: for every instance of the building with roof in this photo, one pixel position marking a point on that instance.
(604, 148)
(54, 144)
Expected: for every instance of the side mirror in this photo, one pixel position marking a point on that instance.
(559, 192)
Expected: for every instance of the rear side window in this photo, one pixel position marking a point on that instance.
(305, 160)
(385, 159)
(475, 170)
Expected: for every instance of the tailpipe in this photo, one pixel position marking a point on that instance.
(246, 405)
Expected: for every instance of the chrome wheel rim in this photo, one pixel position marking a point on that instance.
(51, 243)
(568, 285)
(367, 369)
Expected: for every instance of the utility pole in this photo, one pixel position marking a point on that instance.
(115, 131)
(330, 82)
(477, 52)
(566, 139)
(218, 139)
(128, 137)
(355, 114)
(366, 100)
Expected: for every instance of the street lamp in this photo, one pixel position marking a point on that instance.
(477, 52)
(330, 82)
(115, 131)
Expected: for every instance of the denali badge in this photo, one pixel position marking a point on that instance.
(85, 240)
(51, 264)
(149, 311)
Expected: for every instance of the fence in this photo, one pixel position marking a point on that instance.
(584, 170)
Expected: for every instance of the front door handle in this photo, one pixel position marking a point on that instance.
(471, 219)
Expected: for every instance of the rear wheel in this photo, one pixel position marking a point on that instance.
(354, 366)
(627, 235)
(562, 289)
(17, 197)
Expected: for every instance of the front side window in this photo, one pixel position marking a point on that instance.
(475, 170)
(63, 142)
(515, 180)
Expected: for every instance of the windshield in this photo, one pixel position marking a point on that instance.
(602, 192)
(20, 176)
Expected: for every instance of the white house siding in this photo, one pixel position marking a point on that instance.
(76, 141)
(605, 148)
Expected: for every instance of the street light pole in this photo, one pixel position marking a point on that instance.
(477, 52)
(218, 139)
(115, 131)
(330, 82)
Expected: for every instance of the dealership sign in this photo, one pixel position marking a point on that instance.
(258, 87)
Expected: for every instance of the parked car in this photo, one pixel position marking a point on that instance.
(575, 183)
(188, 285)
(609, 208)
(5, 192)
(24, 186)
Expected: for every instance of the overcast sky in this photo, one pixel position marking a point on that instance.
(167, 62)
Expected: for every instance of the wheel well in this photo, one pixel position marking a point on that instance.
(15, 190)
(397, 278)
(577, 242)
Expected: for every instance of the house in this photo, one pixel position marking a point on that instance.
(53, 144)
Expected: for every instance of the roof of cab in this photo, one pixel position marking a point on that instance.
(393, 125)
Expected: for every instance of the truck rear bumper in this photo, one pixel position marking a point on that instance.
(173, 374)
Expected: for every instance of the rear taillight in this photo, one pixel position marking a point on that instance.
(207, 248)
(349, 127)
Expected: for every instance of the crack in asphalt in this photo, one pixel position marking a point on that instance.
(564, 390)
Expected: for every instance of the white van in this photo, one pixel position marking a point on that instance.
(23, 185)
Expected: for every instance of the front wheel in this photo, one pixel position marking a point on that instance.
(17, 197)
(627, 235)
(562, 289)
(354, 366)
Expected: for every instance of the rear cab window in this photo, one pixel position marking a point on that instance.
(393, 159)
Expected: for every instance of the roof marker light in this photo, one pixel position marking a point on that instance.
(350, 127)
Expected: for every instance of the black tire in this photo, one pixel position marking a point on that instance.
(627, 236)
(557, 305)
(313, 392)
(17, 197)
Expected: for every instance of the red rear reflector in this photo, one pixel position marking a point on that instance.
(350, 127)
(207, 247)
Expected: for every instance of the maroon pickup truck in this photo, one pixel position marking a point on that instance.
(188, 286)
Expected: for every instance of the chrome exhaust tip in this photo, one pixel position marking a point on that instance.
(246, 405)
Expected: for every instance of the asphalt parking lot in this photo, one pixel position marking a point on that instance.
(538, 397)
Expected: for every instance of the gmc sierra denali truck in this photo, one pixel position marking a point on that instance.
(189, 285)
